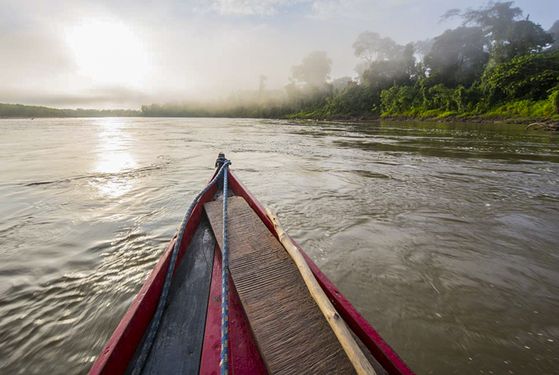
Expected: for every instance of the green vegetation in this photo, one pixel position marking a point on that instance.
(527, 86)
(29, 111)
(496, 65)
(19, 110)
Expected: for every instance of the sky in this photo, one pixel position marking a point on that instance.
(121, 54)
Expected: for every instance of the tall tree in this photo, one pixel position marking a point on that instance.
(399, 70)
(526, 37)
(507, 35)
(495, 19)
(457, 57)
(384, 62)
(554, 32)
(370, 46)
(314, 70)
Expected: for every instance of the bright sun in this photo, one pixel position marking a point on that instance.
(108, 53)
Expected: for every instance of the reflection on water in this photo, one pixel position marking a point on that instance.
(444, 236)
(113, 156)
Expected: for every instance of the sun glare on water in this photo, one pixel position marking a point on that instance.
(115, 163)
(108, 52)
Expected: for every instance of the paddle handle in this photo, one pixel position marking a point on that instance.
(358, 360)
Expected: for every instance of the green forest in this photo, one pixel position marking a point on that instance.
(31, 111)
(497, 64)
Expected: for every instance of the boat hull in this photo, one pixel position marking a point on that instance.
(119, 352)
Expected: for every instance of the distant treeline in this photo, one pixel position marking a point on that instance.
(497, 63)
(29, 111)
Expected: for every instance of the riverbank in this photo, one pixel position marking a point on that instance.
(498, 116)
(516, 112)
(443, 117)
(14, 111)
(524, 112)
(479, 119)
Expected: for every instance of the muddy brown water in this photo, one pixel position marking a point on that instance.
(444, 236)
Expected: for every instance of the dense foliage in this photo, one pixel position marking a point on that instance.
(497, 63)
(524, 77)
(526, 86)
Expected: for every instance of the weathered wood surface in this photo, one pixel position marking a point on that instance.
(244, 354)
(376, 365)
(360, 362)
(291, 333)
(178, 344)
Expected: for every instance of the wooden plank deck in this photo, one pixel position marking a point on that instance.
(291, 333)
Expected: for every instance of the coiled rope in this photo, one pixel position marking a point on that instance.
(154, 324)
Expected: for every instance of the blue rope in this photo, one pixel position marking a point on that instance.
(154, 324)
(224, 356)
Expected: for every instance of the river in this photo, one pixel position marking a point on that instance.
(444, 236)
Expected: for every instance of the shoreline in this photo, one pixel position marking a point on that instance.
(477, 119)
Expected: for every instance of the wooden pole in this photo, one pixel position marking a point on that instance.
(359, 361)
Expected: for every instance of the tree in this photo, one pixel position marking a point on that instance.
(370, 46)
(385, 62)
(457, 57)
(314, 69)
(382, 74)
(341, 83)
(526, 37)
(530, 77)
(495, 19)
(506, 34)
(423, 47)
(554, 32)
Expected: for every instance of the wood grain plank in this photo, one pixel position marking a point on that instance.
(292, 334)
(244, 356)
(178, 345)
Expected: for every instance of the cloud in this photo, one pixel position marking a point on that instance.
(196, 48)
(326, 9)
(253, 7)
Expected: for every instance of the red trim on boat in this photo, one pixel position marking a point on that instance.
(119, 350)
(209, 362)
(382, 352)
(244, 355)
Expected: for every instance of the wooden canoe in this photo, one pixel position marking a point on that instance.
(275, 326)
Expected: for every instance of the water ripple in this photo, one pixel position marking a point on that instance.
(443, 236)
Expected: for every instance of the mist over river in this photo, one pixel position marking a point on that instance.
(444, 236)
